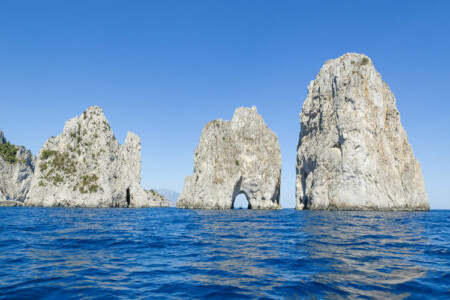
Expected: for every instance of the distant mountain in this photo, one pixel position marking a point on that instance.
(170, 195)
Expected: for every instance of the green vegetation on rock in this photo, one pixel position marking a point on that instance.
(156, 194)
(56, 169)
(8, 151)
(88, 184)
(47, 153)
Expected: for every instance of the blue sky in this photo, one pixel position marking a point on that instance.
(163, 69)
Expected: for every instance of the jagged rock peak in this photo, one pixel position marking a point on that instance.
(241, 156)
(2, 138)
(16, 171)
(85, 166)
(353, 153)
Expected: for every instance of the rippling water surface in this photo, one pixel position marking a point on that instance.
(64, 253)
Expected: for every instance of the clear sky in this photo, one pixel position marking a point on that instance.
(163, 69)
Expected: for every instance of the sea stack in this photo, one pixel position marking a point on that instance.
(16, 171)
(353, 153)
(86, 167)
(241, 156)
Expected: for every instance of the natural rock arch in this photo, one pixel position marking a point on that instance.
(240, 156)
(241, 195)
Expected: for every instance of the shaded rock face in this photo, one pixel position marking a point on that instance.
(353, 153)
(10, 203)
(241, 156)
(16, 171)
(86, 167)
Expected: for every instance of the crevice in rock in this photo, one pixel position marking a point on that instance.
(128, 197)
(337, 145)
(305, 203)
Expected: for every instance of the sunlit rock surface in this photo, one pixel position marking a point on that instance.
(16, 171)
(86, 167)
(241, 156)
(353, 153)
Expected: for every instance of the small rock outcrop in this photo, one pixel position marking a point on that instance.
(86, 167)
(353, 153)
(16, 171)
(170, 195)
(241, 156)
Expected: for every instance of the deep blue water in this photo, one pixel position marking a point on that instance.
(64, 253)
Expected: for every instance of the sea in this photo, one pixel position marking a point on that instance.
(169, 253)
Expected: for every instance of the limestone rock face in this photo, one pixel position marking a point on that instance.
(10, 203)
(86, 167)
(353, 153)
(16, 171)
(241, 156)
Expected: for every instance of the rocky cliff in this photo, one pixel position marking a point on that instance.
(241, 156)
(86, 167)
(16, 171)
(353, 152)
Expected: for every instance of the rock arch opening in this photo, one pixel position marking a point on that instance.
(128, 198)
(241, 202)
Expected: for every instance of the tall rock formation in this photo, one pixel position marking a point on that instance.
(353, 153)
(16, 172)
(86, 167)
(241, 156)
